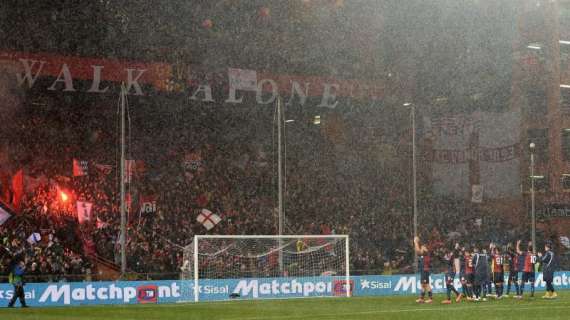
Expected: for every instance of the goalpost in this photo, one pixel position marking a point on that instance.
(269, 266)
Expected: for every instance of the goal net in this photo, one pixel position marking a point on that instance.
(257, 267)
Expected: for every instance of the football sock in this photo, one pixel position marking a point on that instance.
(549, 286)
(454, 290)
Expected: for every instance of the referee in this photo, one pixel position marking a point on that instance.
(16, 279)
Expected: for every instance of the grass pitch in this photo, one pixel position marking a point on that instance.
(296, 309)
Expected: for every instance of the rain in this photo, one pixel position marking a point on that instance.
(133, 133)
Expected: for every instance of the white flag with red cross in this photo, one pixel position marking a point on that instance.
(208, 219)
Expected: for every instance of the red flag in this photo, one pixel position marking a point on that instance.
(6, 187)
(89, 246)
(104, 168)
(80, 167)
(101, 224)
(140, 167)
(128, 202)
(147, 204)
(134, 168)
(18, 188)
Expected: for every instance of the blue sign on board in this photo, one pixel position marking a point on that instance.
(175, 291)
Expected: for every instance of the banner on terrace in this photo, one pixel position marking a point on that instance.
(105, 75)
(554, 210)
(176, 291)
(479, 149)
(242, 79)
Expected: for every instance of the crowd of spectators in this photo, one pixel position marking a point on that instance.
(224, 162)
(35, 238)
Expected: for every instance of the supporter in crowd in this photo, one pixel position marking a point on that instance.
(206, 165)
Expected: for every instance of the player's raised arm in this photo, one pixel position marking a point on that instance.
(519, 251)
(417, 245)
(456, 263)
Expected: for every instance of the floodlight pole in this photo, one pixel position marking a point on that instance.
(414, 178)
(532, 198)
(281, 215)
(280, 167)
(122, 184)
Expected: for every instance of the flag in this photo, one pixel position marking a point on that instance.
(476, 193)
(6, 190)
(192, 161)
(242, 79)
(477, 149)
(101, 224)
(34, 238)
(4, 214)
(89, 247)
(17, 188)
(31, 183)
(80, 167)
(565, 242)
(478, 222)
(84, 211)
(133, 167)
(129, 169)
(128, 202)
(140, 167)
(147, 204)
(208, 219)
(450, 168)
(104, 168)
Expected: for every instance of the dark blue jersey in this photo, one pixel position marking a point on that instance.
(424, 263)
(513, 260)
(461, 263)
(481, 263)
(520, 262)
(548, 263)
(448, 260)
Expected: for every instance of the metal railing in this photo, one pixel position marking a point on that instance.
(564, 264)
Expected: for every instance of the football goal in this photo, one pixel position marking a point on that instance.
(268, 266)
